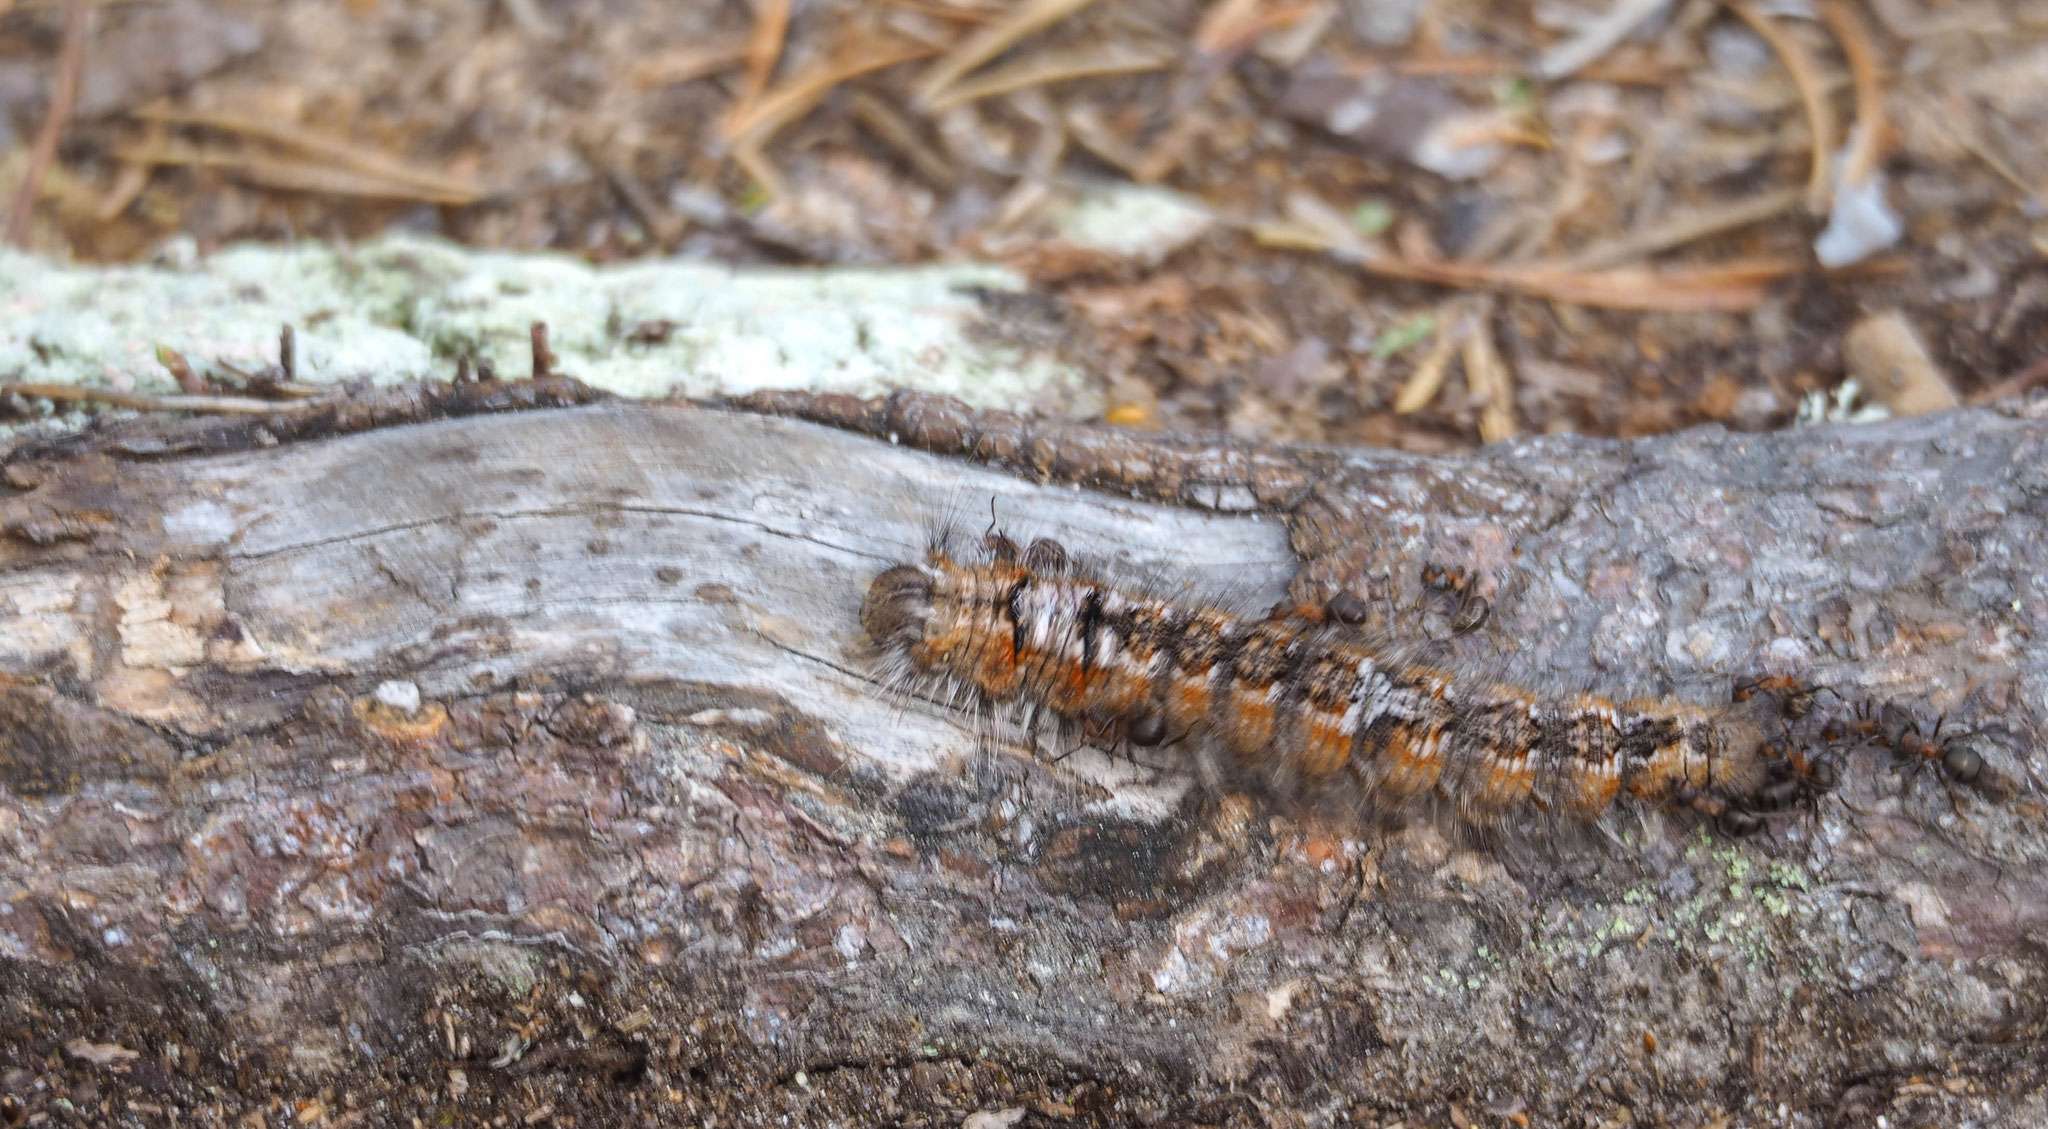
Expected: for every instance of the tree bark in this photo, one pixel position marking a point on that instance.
(406, 759)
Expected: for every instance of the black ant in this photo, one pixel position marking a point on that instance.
(1795, 698)
(1892, 728)
(1468, 610)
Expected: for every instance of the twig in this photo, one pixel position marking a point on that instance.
(1166, 152)
(799, 93)
(1820, 113)
(1597, 37)
(274, 382)
(1226, 32)
(891, 128)
(295, 176)
(1234, 25)
(1736, 285)
(174, 362)
(63, 96)
(2019, 383)
(1727, 287)
(1223, 24)
(1085, 125)
(428, 185)
(1033, 188)
(133, 178)
(662, 226)
(687, 63)
(1427, 378)
(1974, 143)
(1857, 48)
(143, 402)
(1573, 189)
(1107, 59)
(764, 47)
(1695, 224)
(1624, 73)
(764, 173)
(543, 357)
(1029, 17)
(1489, 378)
(946, 12)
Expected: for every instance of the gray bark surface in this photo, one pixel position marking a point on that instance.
(655, 843)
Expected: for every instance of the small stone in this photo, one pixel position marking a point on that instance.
(1384, 23)
(401, 695)
(1929, 912)
(1861, 224)
(851, 940)
(101, 1054)
(1134, 222)
(1886, 358)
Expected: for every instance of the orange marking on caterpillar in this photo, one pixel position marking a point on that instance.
(1299, 696)
(1326, 746)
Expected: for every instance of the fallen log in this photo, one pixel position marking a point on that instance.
(520, 756)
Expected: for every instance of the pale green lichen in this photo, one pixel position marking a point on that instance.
(1789, 876)
(403, 307)
(103, 325)
(1742, 913)
(1738, 866)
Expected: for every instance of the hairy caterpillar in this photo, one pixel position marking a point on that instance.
(1300, 698)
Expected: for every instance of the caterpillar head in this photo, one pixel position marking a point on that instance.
(897, 607)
